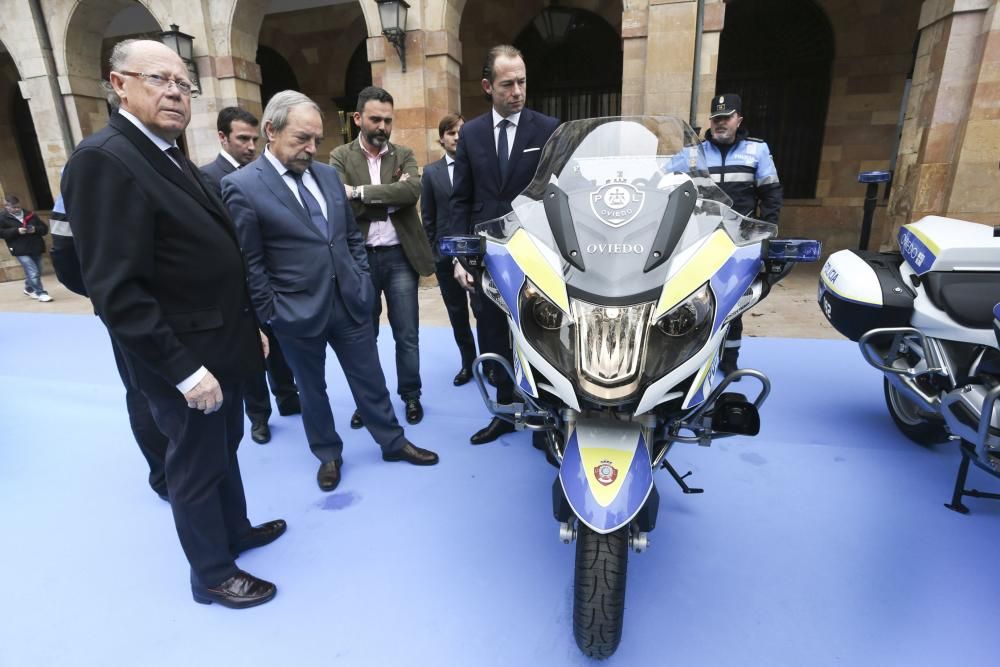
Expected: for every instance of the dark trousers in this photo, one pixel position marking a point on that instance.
(202, 473)
(731, 348)
(278, 374)
(152, 443)
(354, 345)
(456, 301)
(393, 276)
(494, 336)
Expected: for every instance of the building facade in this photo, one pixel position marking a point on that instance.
(836, 87)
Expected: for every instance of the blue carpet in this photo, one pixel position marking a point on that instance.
(823, 541)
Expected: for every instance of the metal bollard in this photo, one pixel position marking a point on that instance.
(872, 178)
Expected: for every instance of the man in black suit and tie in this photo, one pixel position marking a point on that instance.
(435, 205)
(163, 267)
(238, 137)
(308, 272)
(496, 159)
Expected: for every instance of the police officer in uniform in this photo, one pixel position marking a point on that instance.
(742, 166)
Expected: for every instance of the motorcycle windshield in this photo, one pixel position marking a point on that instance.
(617, 199)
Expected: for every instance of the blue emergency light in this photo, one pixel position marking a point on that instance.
(793, 250)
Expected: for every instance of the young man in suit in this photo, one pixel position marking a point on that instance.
(435, 209)
(382, 181)
(163, 267)
(238, 137)
(308, 276)
(496, 159)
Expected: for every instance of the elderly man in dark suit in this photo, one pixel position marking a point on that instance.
(163, 267)
(309, 280)
(496, 159)
(238, 138)
(435, 209)
(382, 181)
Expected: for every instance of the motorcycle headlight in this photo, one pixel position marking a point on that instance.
(546, 327)
(688, 315)
(679, 333)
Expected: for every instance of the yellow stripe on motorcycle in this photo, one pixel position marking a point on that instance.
(523, 370)
(527, 255)
(698, 270)
(933, 247)
(597, 462)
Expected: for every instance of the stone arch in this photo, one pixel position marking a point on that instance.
(81, 53)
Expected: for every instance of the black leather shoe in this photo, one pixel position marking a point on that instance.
(412, 454)
(414, 411)
(493, 430)
(356, 422)
(289, 406)
(239, 591)
(328, 476)
(491, 377)
(260, 433)
(463, 377)
(260, 535)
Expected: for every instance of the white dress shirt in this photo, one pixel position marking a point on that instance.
(307, 180)
(511, 130)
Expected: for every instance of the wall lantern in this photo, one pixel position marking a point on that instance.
(182, 45)
(392, 14)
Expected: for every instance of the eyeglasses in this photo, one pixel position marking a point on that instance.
(184, 87)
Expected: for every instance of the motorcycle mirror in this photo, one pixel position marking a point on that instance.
(462, 246)
(793, 250)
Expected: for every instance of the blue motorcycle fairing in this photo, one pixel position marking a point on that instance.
(606, 443)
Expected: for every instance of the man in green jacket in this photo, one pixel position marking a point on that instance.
(383, 183)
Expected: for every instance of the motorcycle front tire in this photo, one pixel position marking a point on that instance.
(599, 590)
(915, 425)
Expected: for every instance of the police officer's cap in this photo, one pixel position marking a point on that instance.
(726, 105)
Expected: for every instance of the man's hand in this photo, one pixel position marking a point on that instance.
(349, 191)
(464, 278)
(404, 178)
(22, 230)
(206, 395)
(264, 343)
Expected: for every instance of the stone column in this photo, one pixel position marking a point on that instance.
(948, 64)
(658, 40)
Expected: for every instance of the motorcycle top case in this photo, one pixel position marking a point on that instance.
(861, 290)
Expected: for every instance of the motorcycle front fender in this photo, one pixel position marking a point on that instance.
(606, 473)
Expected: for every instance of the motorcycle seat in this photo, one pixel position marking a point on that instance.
(967, 296)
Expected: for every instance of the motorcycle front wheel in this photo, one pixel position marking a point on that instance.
(599, 590)
(914, 423)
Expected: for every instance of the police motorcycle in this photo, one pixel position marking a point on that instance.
(927, 317)
(620, 269)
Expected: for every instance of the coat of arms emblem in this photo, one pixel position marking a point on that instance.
(605, 473)
(616, 203)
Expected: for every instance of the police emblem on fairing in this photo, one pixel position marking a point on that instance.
(605, 473)
(616, 203)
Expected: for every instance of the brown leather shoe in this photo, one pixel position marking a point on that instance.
(328, 476)
(239, 591)
(493, 430)
(412, 454)
(260, 535)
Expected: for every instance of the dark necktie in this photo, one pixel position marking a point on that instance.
(310, 204)
(182, 162)
(503, 153)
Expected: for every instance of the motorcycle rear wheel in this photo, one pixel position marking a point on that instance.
(914, 424)
(599, 590)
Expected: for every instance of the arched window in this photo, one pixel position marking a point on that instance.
(31, 154)
(276, 74)
(777, 55)
(574, 62)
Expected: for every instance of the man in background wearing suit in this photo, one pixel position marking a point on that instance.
(435, 208)
(382, 181)
(496, 159)
(238, 136)
(163, 267)
(308, 274)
